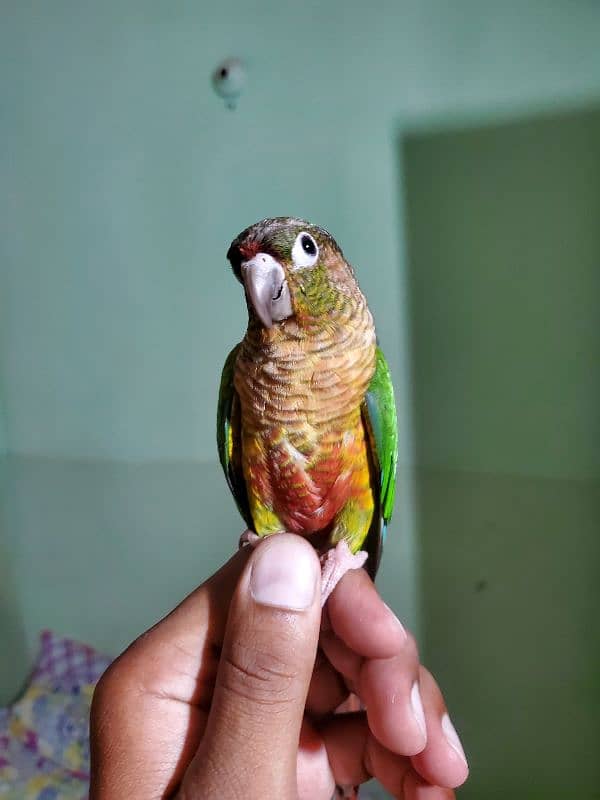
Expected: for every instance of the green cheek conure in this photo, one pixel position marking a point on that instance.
(306, 423)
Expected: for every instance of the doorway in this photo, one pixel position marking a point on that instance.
(503, 228)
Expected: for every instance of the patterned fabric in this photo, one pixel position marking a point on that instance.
(44, 742)
(65, 663)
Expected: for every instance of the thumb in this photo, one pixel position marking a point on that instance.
(250, 745)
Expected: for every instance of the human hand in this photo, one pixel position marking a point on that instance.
(223, 698)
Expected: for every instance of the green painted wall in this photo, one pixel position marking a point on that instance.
(510, 577)
(123, 179)
(505, 281)
(504, 247)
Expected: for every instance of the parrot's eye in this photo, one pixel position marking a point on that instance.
(305, 251)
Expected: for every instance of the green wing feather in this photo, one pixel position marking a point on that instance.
(229, 440)
(379, 417)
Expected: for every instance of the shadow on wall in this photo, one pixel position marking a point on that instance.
(504, 249)
(13, 647)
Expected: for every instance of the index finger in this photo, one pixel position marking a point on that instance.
(361, 619)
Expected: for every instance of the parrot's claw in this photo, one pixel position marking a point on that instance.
(346, 791)
(335, 563)
(248, 537)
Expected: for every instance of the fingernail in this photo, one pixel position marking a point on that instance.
(396, 621)
(417, 708)
(284, 574)
(452, 737)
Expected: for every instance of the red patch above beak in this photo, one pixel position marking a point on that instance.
(248, 250)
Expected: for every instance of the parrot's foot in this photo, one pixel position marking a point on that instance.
(335, 563)
(248, 537)
(346, 791)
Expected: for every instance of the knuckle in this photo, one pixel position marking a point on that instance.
(117, 686)
(107, 687)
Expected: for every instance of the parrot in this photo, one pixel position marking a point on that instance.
(306, 420)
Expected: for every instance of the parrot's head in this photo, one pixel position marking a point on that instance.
(290, 269)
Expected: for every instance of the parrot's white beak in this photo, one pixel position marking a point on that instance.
(267, 289)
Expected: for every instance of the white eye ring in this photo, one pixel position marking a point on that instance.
(305, 251)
